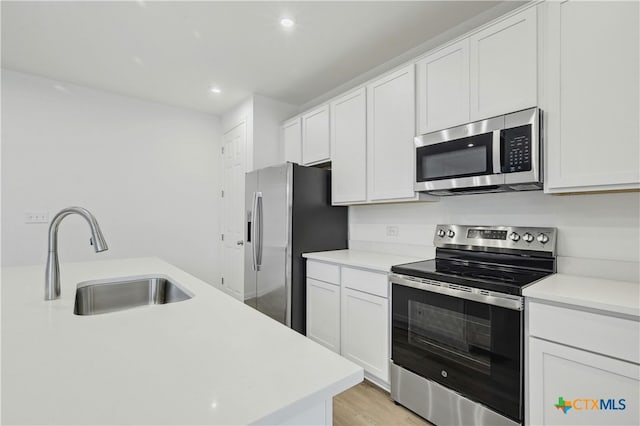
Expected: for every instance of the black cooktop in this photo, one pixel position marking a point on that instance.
(503, 278)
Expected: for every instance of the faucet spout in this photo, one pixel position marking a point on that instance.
(52, 274)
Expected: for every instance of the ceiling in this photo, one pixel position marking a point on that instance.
(174, 52)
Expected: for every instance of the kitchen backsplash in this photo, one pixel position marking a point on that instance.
(597, 234)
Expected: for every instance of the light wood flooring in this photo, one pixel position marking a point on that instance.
(367, 404)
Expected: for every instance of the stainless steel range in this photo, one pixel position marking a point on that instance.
(457, 323)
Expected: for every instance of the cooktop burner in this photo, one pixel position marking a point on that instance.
(496, 258)
(492, 277)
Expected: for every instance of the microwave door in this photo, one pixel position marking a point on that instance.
(472, 161)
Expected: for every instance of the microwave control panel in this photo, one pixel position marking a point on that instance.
(516, 149)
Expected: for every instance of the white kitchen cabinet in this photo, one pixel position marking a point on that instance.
(315, 136)
(348, 312)
(365, 331)
(503, 66)
(576, 354)
(576, 376)
(390, 133)
(292, 141)
(349, 148)
(442, 88)
(323, 313)
(592, 87)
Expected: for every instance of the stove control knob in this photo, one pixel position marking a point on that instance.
(451, 234)
(527, 237)
(441, 233)
(543, 238)
(514, 236)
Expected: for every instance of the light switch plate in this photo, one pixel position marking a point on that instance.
(36, 217)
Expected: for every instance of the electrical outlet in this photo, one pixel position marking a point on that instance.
(36, 217)
(392, 231)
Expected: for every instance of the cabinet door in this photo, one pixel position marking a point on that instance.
(504, 66)
(390, 133)
(562, 375)
(292, 141)
(349, 148)
(442, 88)
(593, 89)
(323, 313)
(365, 332)
(315, 136)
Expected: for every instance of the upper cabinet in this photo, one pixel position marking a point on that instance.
(591, 83)
(292, 141)
(390, 133)
(442, 88)
(349, 148)
(503, 66)
(315, 136)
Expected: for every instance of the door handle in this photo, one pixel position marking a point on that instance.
(258, 244)
(252, 237)
(240, 243)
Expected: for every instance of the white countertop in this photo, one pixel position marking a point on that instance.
(620, 297)
(362, 259)
(207, 360)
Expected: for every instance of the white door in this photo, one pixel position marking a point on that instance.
(234, 147)
(503, 60)
(390, 133)
(593, 57)
(564, 382)
(349, 148)
(365, 332)
(442, 88)
(292, 141)
(323, 313)
(315, 136)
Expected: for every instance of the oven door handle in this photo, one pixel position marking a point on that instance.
(474, 294)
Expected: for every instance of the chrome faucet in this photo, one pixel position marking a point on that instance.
(52, 278)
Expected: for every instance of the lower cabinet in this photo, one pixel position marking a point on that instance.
(582, 367)
(569, 386)
(365, 332)
(348, 312)
(323, 313)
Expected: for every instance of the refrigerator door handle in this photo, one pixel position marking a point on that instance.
(252, 231)
(258, 222)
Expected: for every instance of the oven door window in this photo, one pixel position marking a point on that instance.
(470, 347)
(465, 157)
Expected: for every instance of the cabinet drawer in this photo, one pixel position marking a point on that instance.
(616, 337)
(370, 282)
(327, 272)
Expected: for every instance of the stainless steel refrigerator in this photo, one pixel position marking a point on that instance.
(289, 212)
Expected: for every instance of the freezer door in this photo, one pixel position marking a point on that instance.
(271, 224)
(250, 279)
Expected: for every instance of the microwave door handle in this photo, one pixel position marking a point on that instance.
(497, 152)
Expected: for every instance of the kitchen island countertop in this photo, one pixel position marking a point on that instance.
(206, 360)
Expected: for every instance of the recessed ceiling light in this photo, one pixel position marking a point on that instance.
(287, 22)
(215, 90)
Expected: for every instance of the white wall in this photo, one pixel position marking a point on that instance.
(147, 171)
(598, 235)
(263, 117)
(268, 115)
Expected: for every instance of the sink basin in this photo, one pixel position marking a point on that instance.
(103, 296)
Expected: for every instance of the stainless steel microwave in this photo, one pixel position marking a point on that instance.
(498, 154)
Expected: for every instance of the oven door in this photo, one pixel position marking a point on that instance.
(470, 347)
(462, 157)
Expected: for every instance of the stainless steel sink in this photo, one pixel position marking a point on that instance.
(99, 297)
